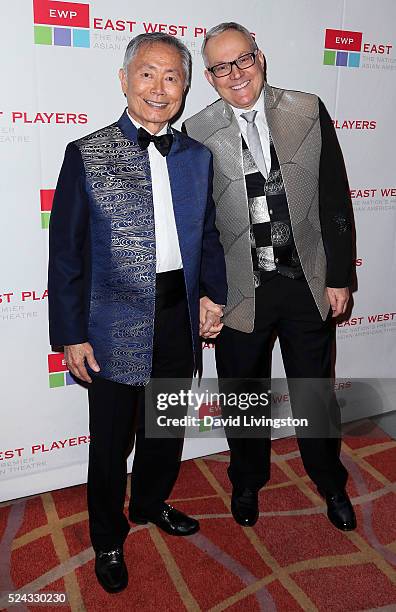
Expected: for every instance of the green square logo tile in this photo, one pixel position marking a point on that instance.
(42, 35)
(202, 427)
(45, 218)
(329, 57)
(56, 380)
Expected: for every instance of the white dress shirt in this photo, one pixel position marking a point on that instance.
(168, 256)
(262, 127)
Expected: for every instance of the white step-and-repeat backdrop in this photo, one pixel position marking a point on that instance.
(59, 63)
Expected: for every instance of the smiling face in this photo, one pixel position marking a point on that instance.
(154, 85)
(241, 88)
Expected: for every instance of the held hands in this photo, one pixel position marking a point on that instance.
(210, 315)
(75, 356)
(338, 298)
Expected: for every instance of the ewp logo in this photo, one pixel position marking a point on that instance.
(209, 410)
(73, 19)
(46, 199)
(342, 48)
(58, 373)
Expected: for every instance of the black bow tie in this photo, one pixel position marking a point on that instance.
(162, 143)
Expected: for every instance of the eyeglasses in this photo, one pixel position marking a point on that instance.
(244, 61)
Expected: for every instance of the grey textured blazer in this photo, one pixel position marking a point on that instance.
(295, 127)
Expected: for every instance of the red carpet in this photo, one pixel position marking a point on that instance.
(293, 559)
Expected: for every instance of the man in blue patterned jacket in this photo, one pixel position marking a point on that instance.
(133, 246)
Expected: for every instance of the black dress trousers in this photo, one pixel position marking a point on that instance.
(117, 415)
(285, 307)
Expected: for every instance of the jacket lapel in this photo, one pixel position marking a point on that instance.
(181, 179)
(222, 142)
(287, 138)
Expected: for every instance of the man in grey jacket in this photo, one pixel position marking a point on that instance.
(282, 206)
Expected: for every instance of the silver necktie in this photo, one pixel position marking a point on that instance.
(254, 142)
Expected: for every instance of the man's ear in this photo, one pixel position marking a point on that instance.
(261, 58)
(123, 80)
(209, 77)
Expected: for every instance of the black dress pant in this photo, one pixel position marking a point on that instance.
(286, 307)
(117, 414)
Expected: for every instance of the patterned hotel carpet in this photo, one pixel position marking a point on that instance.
(293, 559)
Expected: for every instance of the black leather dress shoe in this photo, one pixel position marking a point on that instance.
(168, 519)
(244, 507)
(340, 510)
(111, 571)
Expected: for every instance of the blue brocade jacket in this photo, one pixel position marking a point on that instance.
(102, 264)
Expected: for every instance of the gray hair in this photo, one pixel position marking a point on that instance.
(223, 27)
(159, 37)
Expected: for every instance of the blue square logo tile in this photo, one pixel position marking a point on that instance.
(354, 60)
(69, 379)
(62, 37)
(81, 38)
(342, 58)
